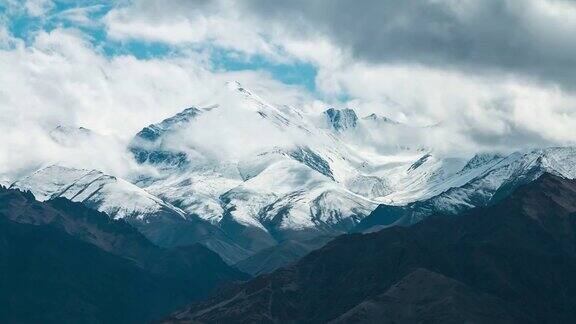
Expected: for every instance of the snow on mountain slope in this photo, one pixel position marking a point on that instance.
(113, 196)
(327, 182)
(426, 177)
(501, 174)
(280, 193)
(484, 180)
(161, 222)
(299, 173)
(295, 176)
(243, 174)
(292, 196)
(341, 119)
(67, 135)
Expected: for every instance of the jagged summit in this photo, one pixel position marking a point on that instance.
(341, 119)
(375, 117)
(482, 159)
(114, 196)
(67, 135)
(146, 145)
(154, 131)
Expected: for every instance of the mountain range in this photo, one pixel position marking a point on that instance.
(64, 262)
(310, 178)
(511, 262)
(250, 211)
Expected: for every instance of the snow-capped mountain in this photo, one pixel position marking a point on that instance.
(150, 137)
(116, 197)
(485, 179)
(341, 119)
(278, 189)
(242, 175)
(66, 135)
(160, 221)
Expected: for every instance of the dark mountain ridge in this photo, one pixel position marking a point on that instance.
(64, 262)
(512, 262)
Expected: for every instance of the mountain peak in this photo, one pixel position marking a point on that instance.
(420, 162)
(341, 119)
(154, 131)
(66, 135)
(376, 117)
(234, 85)
(482, 159)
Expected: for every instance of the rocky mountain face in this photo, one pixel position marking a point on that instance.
(341, 119)
(63, 262)
(511, 262)
(151, 136)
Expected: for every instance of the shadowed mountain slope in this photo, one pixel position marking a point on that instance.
(63, 262)
(512, 262)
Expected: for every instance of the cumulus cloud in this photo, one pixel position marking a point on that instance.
(38, 7)
(495, 74)
(62, 79)
(475, 113)
(532, 38)
(184, 22)
(528, 37)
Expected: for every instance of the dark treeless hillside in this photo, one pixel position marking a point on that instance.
(62, 262)
(513, 262)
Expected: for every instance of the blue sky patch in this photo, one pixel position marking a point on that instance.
(293, 73)
(24, 26)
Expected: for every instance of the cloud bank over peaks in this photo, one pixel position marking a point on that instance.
(61, 78)
(531, 37)
(492, 75)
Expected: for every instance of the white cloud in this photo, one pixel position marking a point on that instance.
(500, 112)
(183, 23)
(38, 8)
(79, 16)
(62, 79)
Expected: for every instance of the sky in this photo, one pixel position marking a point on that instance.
(494, 74)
